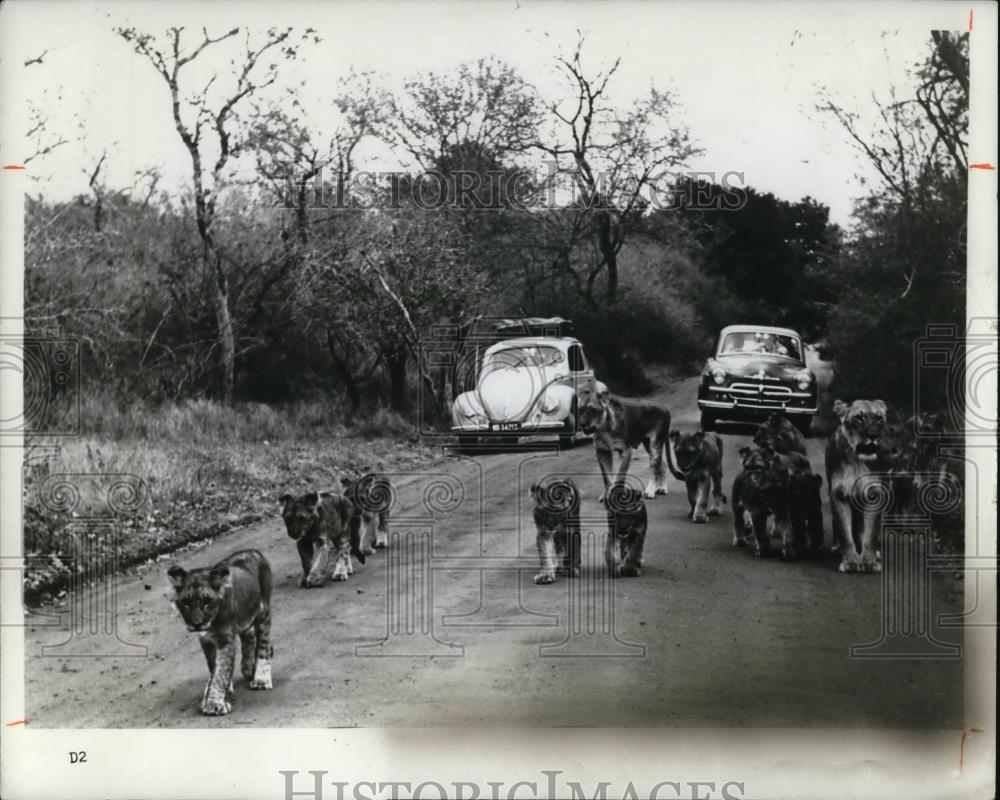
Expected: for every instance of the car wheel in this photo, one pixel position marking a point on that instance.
(707, 421)
(804, 425)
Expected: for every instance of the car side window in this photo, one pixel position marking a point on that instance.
(577, 361)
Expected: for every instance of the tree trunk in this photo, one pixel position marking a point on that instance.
(606, 245)
(343, 369)
(396, 364)
(302, 217)
(227, 345)
(223, 320)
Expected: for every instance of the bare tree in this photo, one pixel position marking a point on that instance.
(298, 163)
(311, 176)
(196, 122)
(483, 107)
(371, 304)
(612, 162)
(916, 143)
(607, 166)
(943, 93)
(415, 272)
(41, 136)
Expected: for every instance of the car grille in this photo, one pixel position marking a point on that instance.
(754, 390)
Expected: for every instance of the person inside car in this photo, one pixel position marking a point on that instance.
(754, 345)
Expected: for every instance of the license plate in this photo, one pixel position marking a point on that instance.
(505, 426)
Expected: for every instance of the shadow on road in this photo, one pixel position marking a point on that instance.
(527, 445)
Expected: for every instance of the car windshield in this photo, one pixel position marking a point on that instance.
(761, 343)
(531, 356)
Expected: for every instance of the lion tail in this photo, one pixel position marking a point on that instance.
(668, 446)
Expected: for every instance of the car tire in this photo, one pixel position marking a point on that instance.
(804, 425)
(707, 421)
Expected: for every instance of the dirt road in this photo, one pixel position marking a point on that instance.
(708, 636)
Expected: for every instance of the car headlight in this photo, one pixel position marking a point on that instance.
(719, 376)
(803, 380)
(548, 404)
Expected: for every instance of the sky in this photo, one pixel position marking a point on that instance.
(746, 75)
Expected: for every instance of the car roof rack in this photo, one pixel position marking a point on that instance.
(532, 326)
(491, 329)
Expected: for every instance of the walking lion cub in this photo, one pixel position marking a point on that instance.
(220, 603)
(324, 529)
(557, 526)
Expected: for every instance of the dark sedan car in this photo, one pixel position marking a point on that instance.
(757, 369)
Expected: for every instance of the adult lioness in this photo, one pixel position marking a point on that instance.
(557, 528)
(852, 455)
(619, 426)
(371, 497)
(219, 603)
(781, 435)
(699, 457)
(321, 525)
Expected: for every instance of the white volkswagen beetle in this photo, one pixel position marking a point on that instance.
(526, 387)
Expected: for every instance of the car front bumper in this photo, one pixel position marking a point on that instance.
(750, 401)
(500, 429)
(722, 407)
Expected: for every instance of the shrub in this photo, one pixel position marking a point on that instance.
(387, 423)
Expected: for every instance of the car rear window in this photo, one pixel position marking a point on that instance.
(514, 357)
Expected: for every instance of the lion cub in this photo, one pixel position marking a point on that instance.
(321, 525)
(557, 526)
(371, 496)
(699, 457)
(777, 433)
(230, 599)
(627, 524)
(784, 486)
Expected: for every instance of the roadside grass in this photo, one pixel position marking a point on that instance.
(206, 468)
